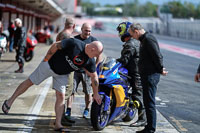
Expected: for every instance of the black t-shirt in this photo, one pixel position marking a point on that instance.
(88, 40)
(71, 57)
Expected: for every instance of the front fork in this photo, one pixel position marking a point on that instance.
(107, 100)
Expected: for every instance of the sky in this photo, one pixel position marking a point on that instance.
(159, 2)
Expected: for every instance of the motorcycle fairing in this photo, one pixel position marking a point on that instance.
(121, 102)
(120, 95)
(3, 41)
(107, 101)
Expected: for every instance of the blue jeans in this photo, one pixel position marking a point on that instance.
(149, 84)
(11, 44)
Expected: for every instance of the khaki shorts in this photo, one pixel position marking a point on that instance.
(69, 88)
(43, 71)
(85, 80)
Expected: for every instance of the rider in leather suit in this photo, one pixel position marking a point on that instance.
(19, 44)
(129, 58)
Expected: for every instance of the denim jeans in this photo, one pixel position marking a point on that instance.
(11, 44)
(149, 84)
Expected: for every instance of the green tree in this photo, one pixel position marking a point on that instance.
(131, 8)
(89, 7)
(148, 10)
(197, 11)
(179, 10)
(189, 10)
(176, 8)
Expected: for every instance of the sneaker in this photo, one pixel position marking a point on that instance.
(85, 113)
(69, 119)
(68, 113)
(65, 122)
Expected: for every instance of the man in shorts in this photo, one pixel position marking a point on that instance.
(62, 58)
(64, 34)
(81, 76)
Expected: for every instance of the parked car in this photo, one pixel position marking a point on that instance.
(99, 25)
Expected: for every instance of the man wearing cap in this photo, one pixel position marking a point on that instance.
(64, 34)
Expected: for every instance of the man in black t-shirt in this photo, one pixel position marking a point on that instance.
(81, 76)
(62, 58)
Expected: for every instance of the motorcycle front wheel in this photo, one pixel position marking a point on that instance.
(99, 117)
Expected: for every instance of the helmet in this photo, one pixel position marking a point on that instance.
(123, 30)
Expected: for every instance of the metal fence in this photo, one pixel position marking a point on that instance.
(180, 29)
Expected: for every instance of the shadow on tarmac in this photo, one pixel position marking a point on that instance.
(7, 60)
(17, 114)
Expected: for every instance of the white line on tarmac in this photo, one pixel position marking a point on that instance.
(158, 99)
(35, 108)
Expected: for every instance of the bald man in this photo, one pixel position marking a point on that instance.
(62, 58)
(81, 76)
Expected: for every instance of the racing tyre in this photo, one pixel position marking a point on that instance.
(131, 113)
(99, 117)
(29, 56)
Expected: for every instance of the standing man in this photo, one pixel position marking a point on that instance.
(11, 30)
(150, 68)
(62, 58)
(19, 44)
(197, 76)
(129, 59)
(81, 76)
(64, 34)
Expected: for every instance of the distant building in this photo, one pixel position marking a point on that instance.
(34, 13)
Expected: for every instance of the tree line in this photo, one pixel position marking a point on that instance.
(135, 9)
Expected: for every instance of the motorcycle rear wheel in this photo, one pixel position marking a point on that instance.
(131, 113)
(99, 117)
(29, 56)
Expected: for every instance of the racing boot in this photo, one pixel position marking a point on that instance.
(21, 68)
(141, 119)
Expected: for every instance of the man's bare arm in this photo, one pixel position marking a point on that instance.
(99, 59)
(95, 86)
(54, 47)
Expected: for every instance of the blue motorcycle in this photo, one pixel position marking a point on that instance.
(114, 91)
